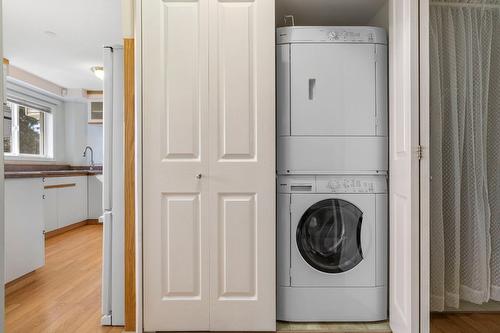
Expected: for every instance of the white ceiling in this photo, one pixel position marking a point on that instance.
(82, 28)
(328, 12)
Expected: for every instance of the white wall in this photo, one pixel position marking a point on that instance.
(59, 125)
(76, 132)
(94, 140)
(381, 19)
(80, 134)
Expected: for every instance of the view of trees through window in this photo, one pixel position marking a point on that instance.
(30, 135)
(27, 131)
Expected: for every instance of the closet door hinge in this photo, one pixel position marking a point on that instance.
(420, 150)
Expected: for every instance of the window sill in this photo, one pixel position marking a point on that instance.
(28, 158)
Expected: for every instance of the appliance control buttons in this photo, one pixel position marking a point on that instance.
(333, 35)
(350, 185)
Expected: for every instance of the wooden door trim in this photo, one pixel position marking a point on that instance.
(129, 90)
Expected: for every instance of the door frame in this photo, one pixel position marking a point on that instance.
(425, 175)
(138, 165)
(2, 185)
(424, 164)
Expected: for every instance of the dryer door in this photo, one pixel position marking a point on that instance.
(333, 240)
(333, 89)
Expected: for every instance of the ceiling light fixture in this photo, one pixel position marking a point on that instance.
(98, 71)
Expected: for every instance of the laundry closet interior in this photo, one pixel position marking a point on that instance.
(266, 153)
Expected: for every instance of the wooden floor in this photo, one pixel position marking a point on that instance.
(65, 295)
(465, 323)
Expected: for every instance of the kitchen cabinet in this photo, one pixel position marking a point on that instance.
(50, 209)
(65, 201)
(24, 225)
(95, 112)
(94, 197)
(208, 165)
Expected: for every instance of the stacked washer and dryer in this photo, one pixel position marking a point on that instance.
(332, 149)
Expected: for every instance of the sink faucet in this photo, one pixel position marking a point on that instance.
(91, 156)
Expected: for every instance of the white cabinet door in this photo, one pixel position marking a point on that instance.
(175, 165)
(94, 197)
(24, 240)
(208, 165)
(242, 166)
(71, 200)
(81, 207)
(50, 209)
(404, 269)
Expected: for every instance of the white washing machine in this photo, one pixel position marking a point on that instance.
(331, 100)
(332, 248)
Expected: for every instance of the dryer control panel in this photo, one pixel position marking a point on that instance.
(331, 34)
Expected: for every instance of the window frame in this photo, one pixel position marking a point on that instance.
(46, 146)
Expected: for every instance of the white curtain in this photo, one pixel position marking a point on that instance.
(465, 152)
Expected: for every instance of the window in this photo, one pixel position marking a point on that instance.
(27, 133)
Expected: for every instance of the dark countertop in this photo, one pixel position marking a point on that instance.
(49, 170)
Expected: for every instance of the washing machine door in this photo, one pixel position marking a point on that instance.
(329, 236)
(332, 240)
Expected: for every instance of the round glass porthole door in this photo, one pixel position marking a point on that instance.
(329, 236)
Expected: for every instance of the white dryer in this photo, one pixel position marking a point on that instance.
(331, 100)
(332, 248)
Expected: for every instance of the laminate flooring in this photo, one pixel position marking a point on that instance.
(65, 294)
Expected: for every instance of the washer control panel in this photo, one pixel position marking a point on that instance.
(351, 184)
(332, 184)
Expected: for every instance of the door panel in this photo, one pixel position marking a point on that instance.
(175, 164)
(181, 246)
(242, 165)
(236, 47)
(404, 235)
(237, 252)
(327, 81)
(181, 73)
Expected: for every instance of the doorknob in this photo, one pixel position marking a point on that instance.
(198, 176)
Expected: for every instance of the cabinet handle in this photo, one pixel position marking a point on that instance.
(60, 186)
(198, 176)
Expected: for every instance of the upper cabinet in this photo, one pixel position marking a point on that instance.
(209, 165)
(95, 111)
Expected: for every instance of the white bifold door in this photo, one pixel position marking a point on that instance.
(208, 165)
(404, 205)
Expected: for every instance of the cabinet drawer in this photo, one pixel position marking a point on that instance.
(54, 181)
(65, 201)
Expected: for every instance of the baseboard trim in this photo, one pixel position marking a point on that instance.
(19, 283)
(67, 228)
